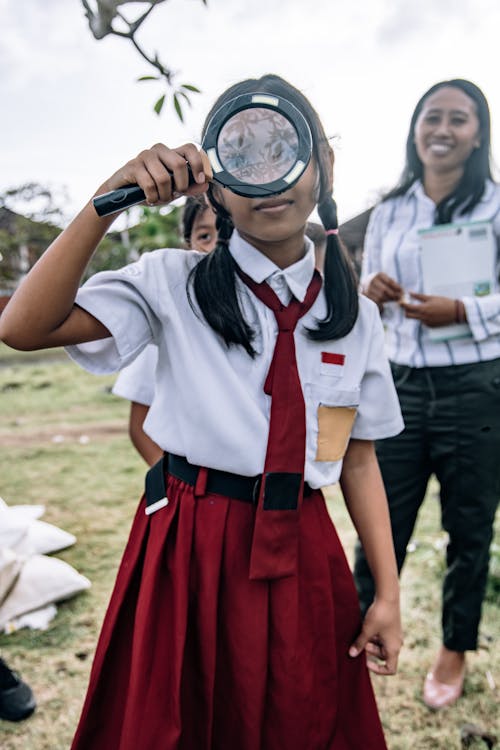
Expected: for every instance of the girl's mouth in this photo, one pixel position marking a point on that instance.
(273, 205)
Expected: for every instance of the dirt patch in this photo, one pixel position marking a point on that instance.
(84, 433)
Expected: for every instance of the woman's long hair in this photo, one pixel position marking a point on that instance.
(214, 277)
(477, 168)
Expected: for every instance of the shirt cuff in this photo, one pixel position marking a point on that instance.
(108, 355)
(380, 431)
(483, 316)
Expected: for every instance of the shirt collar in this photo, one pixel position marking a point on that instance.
(417, 189)
(260, 268)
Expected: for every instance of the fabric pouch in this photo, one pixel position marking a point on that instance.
(334, 429)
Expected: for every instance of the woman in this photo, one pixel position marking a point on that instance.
(449, 389)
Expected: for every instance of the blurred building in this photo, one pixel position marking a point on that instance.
(352, 234)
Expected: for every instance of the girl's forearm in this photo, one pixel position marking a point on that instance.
(366, 501)
(43, 303)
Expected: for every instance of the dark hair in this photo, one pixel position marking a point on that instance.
(316, 233)
(194, 206)
(477, 168)
(213, 278)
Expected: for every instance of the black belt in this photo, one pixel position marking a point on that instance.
(218, 482)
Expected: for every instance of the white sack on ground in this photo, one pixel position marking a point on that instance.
(30, 582)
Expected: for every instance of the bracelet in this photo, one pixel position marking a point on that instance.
(459, 311)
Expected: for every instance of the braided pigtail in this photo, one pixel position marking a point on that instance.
(340, 283)
(214, 282)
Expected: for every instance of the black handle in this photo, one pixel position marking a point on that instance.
(124, 197)
(119, 199)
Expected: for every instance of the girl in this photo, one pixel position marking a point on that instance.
(234, 621)
(449, 390)
(136, 381)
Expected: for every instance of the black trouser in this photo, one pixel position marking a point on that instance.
(452, 430)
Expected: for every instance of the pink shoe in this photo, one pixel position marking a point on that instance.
(441, 694)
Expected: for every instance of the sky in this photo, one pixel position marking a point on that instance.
(72, 111)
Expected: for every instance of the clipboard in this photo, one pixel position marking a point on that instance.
(457, 260)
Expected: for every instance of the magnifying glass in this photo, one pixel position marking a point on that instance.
(256, 144)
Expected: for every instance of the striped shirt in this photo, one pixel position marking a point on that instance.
(391, 246)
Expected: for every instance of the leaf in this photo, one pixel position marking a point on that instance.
(178, 108)
(159, 104)
(149, 78)
(190, 87)
(186, 97)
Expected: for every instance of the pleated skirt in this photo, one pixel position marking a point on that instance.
(194, 656)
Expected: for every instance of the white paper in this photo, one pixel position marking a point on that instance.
(458, 260)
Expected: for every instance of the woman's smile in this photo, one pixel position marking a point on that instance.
(438, 148)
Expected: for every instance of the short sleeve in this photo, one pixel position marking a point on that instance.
(119, 299)
(137, 381)
(379, 413)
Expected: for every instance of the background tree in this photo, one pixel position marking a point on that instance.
(31, 216)
(155, 228)
(29, 220)
(105, 17)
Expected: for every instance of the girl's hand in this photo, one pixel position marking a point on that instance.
(382, 288)
(431, 310)
(163, 173)
(381, 638)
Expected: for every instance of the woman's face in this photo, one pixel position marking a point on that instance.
(204, 234)
(447, 130)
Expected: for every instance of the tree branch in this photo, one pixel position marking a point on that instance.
(101, 24)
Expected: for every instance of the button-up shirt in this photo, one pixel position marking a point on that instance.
(136, 382)
(392, 246)
(209, 403)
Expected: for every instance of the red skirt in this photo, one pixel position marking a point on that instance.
(195, 656)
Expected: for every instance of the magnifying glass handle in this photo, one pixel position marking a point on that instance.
(130, 195)
(117, 200)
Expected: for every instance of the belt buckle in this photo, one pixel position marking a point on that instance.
(256, 489)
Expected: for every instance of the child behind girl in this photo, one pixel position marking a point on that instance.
(234, 621)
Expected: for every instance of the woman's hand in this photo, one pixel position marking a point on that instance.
(433, 311)
(381, 288)
(381, 637)
(162, 173)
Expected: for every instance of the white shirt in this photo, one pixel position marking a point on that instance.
(391, 245)
(136, 382)
(209, 403)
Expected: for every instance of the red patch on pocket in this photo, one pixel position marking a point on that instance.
(332, 359)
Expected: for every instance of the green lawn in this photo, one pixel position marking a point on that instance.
(90, 479)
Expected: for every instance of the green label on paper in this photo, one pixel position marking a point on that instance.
(482, 288)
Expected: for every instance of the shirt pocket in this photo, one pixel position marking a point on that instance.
(333, 412)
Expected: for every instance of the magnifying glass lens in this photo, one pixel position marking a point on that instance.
(258, 146)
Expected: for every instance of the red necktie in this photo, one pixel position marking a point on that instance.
(276, 532)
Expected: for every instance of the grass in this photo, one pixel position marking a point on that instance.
(90, 478)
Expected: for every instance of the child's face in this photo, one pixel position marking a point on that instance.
(273, 219)
(204, 234)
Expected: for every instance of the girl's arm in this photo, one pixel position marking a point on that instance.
(364, 494)
(147, 448)
(42, 312)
